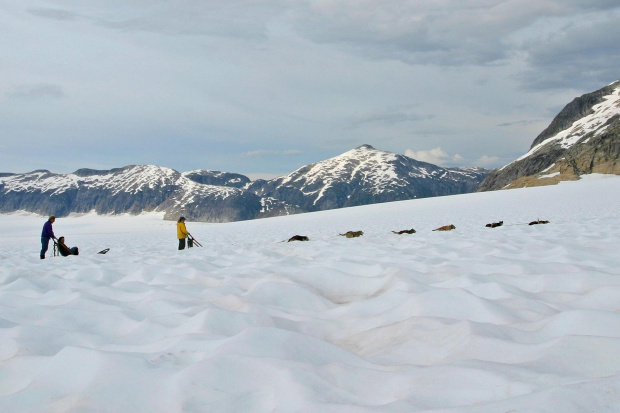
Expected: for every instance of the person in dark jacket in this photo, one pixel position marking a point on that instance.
(64, 250)
(46, 234)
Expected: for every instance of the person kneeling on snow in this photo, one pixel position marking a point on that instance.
(64, 250)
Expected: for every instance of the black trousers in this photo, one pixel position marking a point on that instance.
(181, 243)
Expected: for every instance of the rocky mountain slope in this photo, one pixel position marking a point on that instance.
(583, 138)
(361, 176)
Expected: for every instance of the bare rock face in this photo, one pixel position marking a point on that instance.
(584, 138)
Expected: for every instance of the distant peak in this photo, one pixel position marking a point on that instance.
(365, 146)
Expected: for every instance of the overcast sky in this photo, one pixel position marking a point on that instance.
(266, 86)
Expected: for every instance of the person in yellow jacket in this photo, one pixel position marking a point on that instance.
(182, 233)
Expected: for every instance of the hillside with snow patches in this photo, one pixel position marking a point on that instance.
(361, 176)
(583, 138)
(593, 124)
(517, 318)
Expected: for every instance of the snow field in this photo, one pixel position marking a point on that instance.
(522, 318)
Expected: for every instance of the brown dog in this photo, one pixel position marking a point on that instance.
(299, 238)
(352, 234)
(538, 222)
(405, 231)
(495, 224)
(445, 228)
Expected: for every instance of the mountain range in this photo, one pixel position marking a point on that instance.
(361, 176)
(583, 138)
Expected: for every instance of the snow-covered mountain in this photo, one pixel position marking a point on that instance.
(583, 138)
(132, 189)
(366, 175)
(361, 176)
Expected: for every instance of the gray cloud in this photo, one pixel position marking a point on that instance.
(390, 116)
(454, 32)
(36, 92)
(54, 14)
(450, 33)
(270, 153)
(237, 19)
(518, 123)
(473, 77)
(461, 32)
(585, 54)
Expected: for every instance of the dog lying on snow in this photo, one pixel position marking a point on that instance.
(352, 234)
(538, 221)
(298, 238)
(405, 231)
(495, 224)
(445, 228)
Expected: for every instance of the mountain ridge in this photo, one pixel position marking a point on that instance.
(361, 176)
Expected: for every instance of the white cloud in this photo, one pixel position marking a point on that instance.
(487, 161)
(435, 156)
